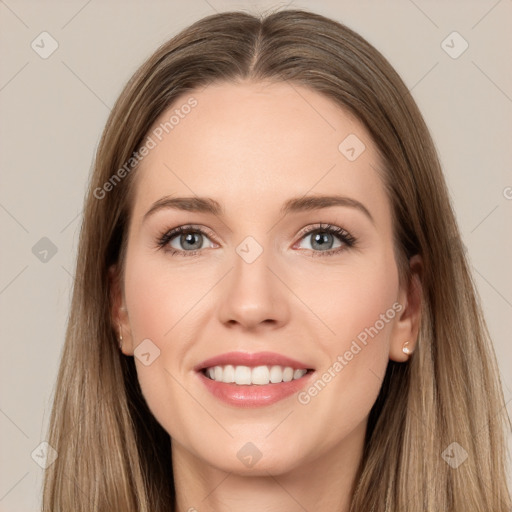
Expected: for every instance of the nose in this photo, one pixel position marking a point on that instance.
(253, 295)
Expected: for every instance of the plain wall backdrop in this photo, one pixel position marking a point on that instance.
(56, 91)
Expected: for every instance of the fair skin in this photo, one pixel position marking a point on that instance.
(251, 147)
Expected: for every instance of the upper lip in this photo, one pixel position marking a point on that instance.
(252, 360)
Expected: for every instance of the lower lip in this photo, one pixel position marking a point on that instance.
(253, 395)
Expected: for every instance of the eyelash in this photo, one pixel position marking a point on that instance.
(348, 240)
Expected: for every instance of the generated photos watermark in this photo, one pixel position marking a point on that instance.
(342, 360)
(152, 140)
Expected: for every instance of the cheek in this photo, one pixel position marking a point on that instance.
(360, 307)
(369, 305)
(158, 298)
(158, 301)
(350, 299)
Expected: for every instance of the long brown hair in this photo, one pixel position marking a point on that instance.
(112, 453)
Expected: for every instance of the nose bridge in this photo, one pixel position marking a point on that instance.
(251, 263)
(253, 294)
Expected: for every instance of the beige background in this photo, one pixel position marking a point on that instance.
(53, 111)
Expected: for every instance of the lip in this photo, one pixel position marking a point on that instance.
(253, 395)
(251, 360)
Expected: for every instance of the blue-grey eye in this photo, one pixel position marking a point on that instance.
(322, 240)
(188, 241)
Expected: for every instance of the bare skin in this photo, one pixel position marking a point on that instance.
(251, 147)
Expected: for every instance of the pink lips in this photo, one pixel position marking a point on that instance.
(244, 359)
(253, 395)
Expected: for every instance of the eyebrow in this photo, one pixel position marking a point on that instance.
(293, 205)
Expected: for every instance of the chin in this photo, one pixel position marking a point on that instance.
(247, 458)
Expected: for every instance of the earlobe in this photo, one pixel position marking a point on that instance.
(406, 329)
(118, 312)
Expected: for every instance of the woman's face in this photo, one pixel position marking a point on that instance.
(261, 284)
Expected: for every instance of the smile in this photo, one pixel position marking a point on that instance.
(253, 380)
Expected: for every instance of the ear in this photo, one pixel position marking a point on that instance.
(118, 311)
(407, 324)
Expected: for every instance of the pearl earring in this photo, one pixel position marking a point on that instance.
(406, 349)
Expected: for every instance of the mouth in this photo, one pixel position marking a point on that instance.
(253, 380)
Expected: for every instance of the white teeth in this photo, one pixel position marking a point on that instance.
(276, 374)
(259, 375)
(228, 373)
(242, 375)
(288, 374)
(297, 374)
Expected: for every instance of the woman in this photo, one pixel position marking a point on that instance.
(254, 372)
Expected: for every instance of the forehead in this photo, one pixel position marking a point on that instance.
(251, 144)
